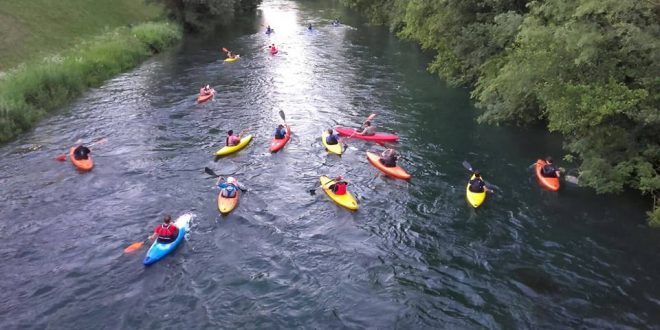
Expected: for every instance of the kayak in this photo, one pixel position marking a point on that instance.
(335, 148)
(380, 137)
(158, 251)
(230, 150)
(227, 204)
(395, 172)
(203, 98)
(551, 184)
(346, 200)
(277, 144)
(233, 59)
(475, 199)
(81, 164)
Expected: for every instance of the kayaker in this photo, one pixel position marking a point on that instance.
(389, 158)
(166, 232)
(339, 186)
(269, 30)
(232, 140)
(368, 129)
(230, 54)
(335, 22)
(549, 170)
(229, 186)
(280, 132)
(81, 152)
(272, 48)
(332, 138)
(477, 185)
(309, 27)
(206, 90)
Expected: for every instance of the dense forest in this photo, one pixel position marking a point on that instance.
(200, 15)
(588, 69)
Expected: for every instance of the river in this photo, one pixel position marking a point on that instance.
(414, 256)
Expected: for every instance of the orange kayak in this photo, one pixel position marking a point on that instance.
(81, 164)
(395, 172)
(277, 144)
(551, 184)
(227, 204)
(203, 98)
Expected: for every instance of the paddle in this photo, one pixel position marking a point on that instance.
(212, 173)
(62, 157)
(282, 116)
(135, 246)
(488, 184)
(313, 191)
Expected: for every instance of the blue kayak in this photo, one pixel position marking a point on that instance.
(158, 251)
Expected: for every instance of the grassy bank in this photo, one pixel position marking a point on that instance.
(36, 28)
(31, 91)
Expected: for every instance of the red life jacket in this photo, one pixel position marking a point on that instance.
(167, 231)
(340, 188)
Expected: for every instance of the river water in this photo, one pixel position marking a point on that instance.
(414, 256)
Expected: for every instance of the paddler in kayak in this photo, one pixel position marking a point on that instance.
(229, 186)
(477, 185)
(389, 157)
(280, 132)
(368, 129)
(269, 30)
(338, 186)
(336, 22)
(231, 139)
(206, 90)
(309, 27)
(549, 170)
(81, 152)
(332, 138)
(166, 232)
(230, 54)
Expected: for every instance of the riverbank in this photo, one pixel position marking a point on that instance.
(33, 29)
(30, 91)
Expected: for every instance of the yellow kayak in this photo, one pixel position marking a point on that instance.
(230, 150)
(335, 148)
(475, 199)
(346, 200)
(233, 59)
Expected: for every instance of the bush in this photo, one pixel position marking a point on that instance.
(31, 91)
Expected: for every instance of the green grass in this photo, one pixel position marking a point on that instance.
(29, 92)
(32, 29)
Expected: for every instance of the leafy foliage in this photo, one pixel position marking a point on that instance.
(28, 93)
(199, 15)
(588, 68)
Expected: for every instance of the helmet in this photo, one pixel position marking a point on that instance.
(231, 179)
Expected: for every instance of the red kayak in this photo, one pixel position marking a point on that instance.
(203, 98)
(379, 137)
(273, 51)
(552, 183)
(277, 144)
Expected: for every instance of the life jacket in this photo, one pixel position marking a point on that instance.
(280, 133)
(548, 170)
(340, 188)
(167, 232)
(476, 185)
(331, 139)
(370, 130)
(389, 161)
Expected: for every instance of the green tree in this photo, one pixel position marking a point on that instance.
(198, 15)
